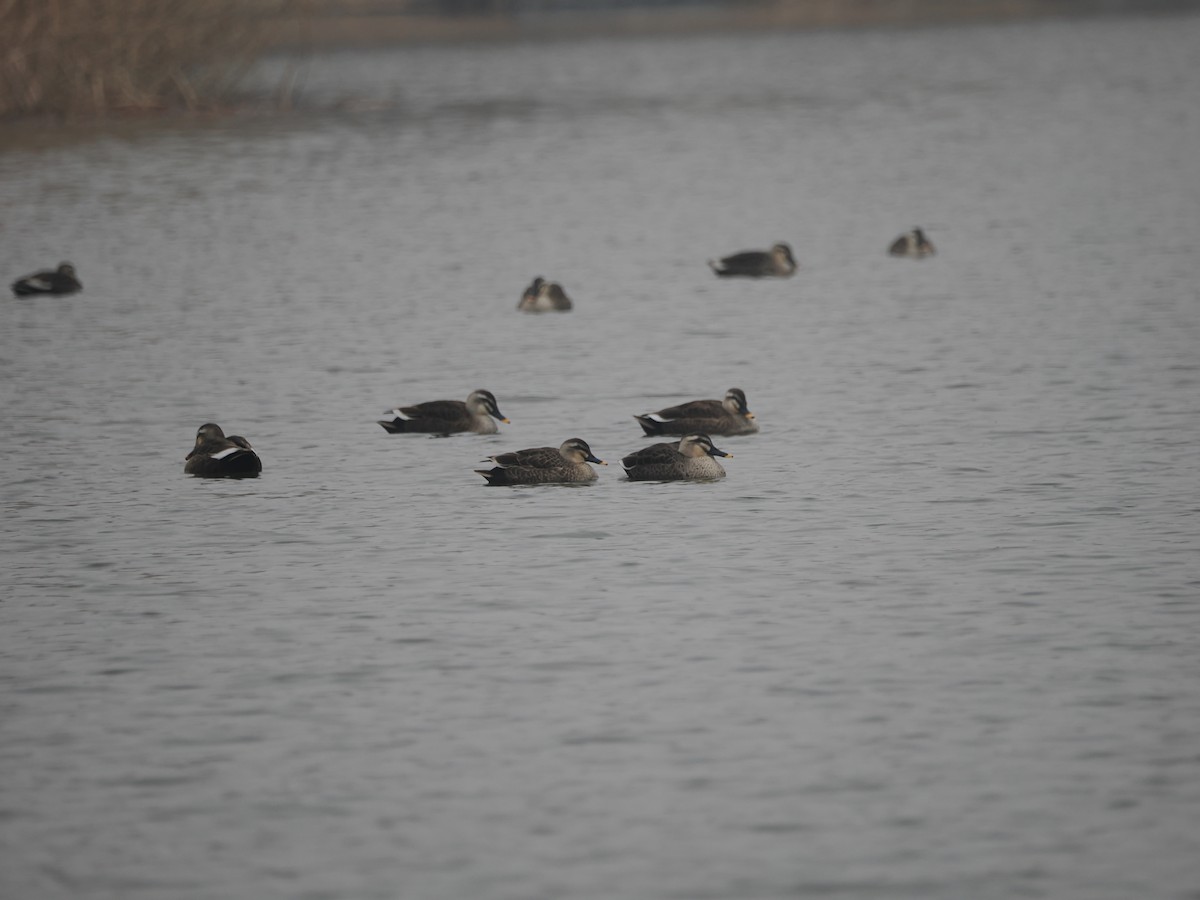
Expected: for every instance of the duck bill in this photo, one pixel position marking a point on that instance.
(591, 457)
(715, 452)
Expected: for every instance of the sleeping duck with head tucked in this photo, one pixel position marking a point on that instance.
(728, 416)
(544, 296)
(913, 245)
(446, 416)
(217, 456)
(688, 459)
(565, 464)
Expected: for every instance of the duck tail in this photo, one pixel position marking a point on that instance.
(651, 426)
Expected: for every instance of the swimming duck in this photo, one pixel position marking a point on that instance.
(217, 456)
(59, 281)
(912, 244)
(728, 416)
(544, 296)
(567, 464)
(447, 416)
(777, 262)
(691, 457)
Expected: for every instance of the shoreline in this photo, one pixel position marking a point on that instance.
(292, 31)
(330, 26)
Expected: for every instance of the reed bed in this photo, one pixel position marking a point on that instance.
(81, 57)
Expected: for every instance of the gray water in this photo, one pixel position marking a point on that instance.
(934, 636)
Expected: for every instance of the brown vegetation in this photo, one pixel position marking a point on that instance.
(81, 57)
(70, 57)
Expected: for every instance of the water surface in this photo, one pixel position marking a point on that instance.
(933, 637)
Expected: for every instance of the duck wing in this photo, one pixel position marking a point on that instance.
(695, 415)
(558, 297)
(534, 457)
(744, 258)
(693, 409)
(36, 283)
(655, 453)
(212, 449)
(433, 411)
(747, 262)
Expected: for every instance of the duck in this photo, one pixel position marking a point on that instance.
(218, 456)
(777, 262)
(688, 459)
(544, 296)
(912, 244)
(728, 416)
(447, 416)
(57, 281)
(565, 464)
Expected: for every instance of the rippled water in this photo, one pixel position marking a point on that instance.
(933, 637)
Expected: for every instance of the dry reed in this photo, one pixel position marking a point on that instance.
(73, 57)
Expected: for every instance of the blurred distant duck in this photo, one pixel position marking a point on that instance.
(59, 281)
(728, 416)
(912, 244)
(567, 464)
(217, 456)
(776, 262)
(446, 416)
(689, 458)
(544, 296)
